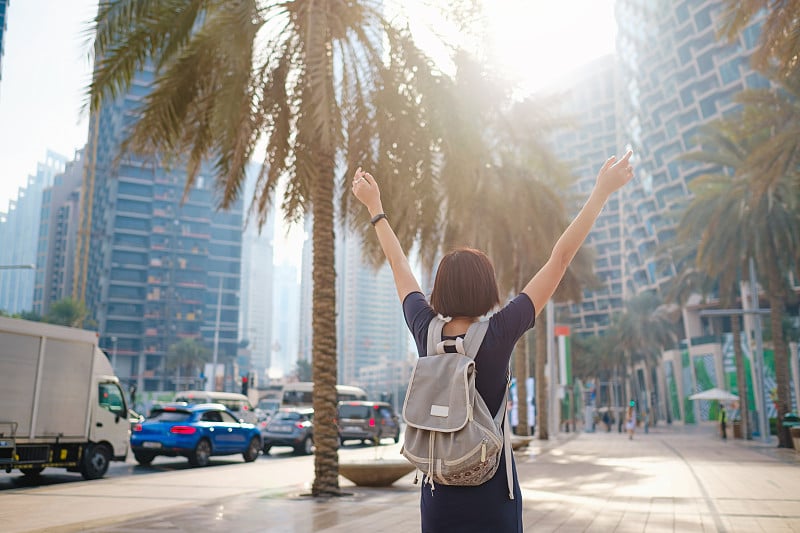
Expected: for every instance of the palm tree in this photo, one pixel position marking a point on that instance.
(67, 312)
(321, 83)
(775, 114)
(744, 214)
(704, 279)
(644, 329)
(185, 358)
(779, 36)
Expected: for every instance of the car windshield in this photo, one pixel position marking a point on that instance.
(161, 415)
(268, 405)
(355, 411)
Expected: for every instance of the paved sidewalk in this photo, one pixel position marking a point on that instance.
(672, 479)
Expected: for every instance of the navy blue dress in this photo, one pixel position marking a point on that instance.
(485, 507)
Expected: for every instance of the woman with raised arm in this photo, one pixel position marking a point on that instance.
(464, 290)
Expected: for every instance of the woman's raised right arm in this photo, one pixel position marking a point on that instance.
(613, 175)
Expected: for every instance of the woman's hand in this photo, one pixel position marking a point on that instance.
(614, 174)
(365, 188)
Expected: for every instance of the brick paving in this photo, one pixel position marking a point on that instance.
(671, 479)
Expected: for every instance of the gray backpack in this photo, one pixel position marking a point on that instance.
(451, 435)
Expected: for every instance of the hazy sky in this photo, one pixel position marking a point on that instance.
(46, 67)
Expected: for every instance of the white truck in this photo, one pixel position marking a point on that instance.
(60, 403)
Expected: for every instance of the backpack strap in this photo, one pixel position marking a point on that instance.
(468, 346)
(507, 445)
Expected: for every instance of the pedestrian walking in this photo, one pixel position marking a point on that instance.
(630, 421)
(723, 422)
(464, 290)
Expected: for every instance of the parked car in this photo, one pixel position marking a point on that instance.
(195, 431)
(290, 427)
(367, 421)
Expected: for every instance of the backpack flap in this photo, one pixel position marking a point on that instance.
(438, 395)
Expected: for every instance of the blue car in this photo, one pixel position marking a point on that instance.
(193, 431)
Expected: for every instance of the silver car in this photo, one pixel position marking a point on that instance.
(290, 427)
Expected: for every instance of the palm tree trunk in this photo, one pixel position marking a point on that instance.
(541, 380)
(324, 370)
(521, 371)
(779, 346)
(741, 379)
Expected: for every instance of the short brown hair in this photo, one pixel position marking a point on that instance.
(465, 284)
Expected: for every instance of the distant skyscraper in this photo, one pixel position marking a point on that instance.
(256, 318)
(370, 325)
(3, 29)
(591, 98)
(677, 77)
(286, 319)
(58, 230)
(306, 298)
(157, 263)
(19, 236)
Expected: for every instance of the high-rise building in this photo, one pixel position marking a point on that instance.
(58, 229)
(285, 319)
(370, 326)
(591, 99)
(677, 77)
(256, 309)
(671, 77)
(157, 261)
(19, 236)
(305, 340)
(3, 29)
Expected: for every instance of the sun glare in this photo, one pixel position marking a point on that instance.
(537, 42)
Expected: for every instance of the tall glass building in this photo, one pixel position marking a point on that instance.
(19, 236)
(55, 254)
(591, 99)
(670, 77)
(370, 326)
(156, 263)
(371, 329)
(677, 77)
(257, 294)
(3, 29)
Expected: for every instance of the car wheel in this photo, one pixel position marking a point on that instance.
(143, 458)
(306, 447)
(266, 448)
(32, 472)
(341, 441)
(95, 461)
(251, 453)
(201, 454)
(397, 436)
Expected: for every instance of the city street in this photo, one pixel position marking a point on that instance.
(672, 479)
